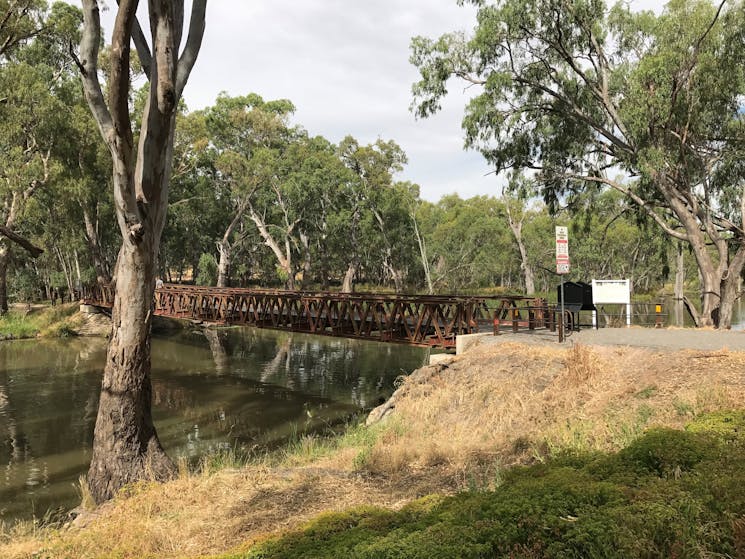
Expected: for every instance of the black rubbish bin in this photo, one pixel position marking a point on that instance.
(577, 297)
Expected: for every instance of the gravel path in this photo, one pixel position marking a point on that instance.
(675, 339)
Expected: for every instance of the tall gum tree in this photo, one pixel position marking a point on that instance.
(584, 95)
(247, 136)
(126, 446)
(29, 110)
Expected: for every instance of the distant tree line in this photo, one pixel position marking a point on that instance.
(257, 200)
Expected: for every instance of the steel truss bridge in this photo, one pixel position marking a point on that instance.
(428, 320)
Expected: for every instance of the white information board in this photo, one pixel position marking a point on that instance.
(612, 292)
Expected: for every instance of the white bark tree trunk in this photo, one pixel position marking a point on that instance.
(347, 285)
(516, 225)
(284, 257)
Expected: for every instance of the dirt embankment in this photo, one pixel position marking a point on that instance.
(450, 427)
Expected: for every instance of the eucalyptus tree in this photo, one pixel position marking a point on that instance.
(30, 116)
(246, 137)
(378, 217)
(196, 206)
(126, 446)
(646, 105)
(30, 119)
(467, 243)
(20, 21)
(315, 180)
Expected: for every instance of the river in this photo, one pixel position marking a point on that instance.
(239, 388)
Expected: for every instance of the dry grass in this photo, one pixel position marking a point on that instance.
(499, 405)
(515, 403)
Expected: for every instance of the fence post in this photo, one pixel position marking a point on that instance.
(515, 315)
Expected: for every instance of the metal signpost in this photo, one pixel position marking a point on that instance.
(562, 267)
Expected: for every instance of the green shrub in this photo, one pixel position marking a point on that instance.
(669, 494)
(665, 452)
(727, 425)
(206, 270)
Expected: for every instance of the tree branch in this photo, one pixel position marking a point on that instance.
(193, 44)
(88, 66)
(143, 50)
(32, 249)
(638, 200)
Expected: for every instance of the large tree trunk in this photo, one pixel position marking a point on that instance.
(680, 272)
(225, 247)
(712, 269)
(398, 280)
(353, 265)
(395, 274)
(4, 257)
(125, 445)
(730, 288)
(423, 255)
(517, 231)
(284, 259)
(307, 260)
(64, 264)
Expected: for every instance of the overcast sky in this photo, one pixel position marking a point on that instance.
(344, 64)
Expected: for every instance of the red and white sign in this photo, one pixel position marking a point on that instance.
(562, 250)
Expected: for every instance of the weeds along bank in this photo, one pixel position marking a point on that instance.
(447, 465)
(60, 321)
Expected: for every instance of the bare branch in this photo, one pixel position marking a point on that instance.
(193, 44)
(88, 65)
(143, 50)
(638, 200)
(120, 56)
(32, 249)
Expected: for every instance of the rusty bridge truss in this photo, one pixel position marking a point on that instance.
(433, 320)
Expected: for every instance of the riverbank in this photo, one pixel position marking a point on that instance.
(64, 321)
(47, 321)
(31, 321)
(456, 429)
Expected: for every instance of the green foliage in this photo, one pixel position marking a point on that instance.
(48, 322)
(17, 325)
(728, 425)
(207, 274)
(669, 494)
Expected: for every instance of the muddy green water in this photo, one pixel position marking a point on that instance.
(214, 390)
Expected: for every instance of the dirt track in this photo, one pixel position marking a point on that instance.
(674, 338)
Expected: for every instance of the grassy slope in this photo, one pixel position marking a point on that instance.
(454, 436)
(57, 321)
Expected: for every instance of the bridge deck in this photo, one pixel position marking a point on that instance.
(433, 320)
